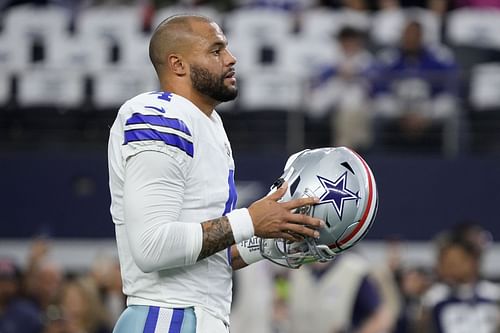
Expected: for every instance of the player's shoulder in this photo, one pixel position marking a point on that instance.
(488, 290)
(442, 54)
(157, 121)
(438, 293)
(157, 102)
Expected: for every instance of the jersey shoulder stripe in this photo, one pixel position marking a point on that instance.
(171, 139)
(158, 120)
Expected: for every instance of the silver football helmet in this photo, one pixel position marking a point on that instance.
(345, 185)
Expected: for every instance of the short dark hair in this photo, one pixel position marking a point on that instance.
(467, 246)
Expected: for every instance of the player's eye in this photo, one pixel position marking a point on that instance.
(217, 51)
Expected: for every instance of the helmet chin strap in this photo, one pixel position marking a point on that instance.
(293, 255)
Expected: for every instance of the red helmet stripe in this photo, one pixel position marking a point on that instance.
(368, 207)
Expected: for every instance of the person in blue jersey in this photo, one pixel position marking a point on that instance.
(462, 301)
(414, 92)
(171, 175)
(341, 88)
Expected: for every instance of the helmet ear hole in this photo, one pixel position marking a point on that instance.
(278, 183)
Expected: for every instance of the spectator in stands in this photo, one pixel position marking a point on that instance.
(414, 93)
(461, 301)
(338, 296)
(16, 315)
(82, 308)
(414, 283)
(342, 88)
(473, 232)
(42, 283)
(105, 273)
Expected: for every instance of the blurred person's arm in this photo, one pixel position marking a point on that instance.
(379, 322)
(370, 314)
(37, 253)
(424, 322)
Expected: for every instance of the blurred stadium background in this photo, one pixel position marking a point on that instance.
(311, 73)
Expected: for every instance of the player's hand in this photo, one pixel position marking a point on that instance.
(273, 219)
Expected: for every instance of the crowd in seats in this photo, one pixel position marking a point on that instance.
(353, 293)
(43, 297)
(291, 56)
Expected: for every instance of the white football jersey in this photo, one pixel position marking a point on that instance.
(198, 147)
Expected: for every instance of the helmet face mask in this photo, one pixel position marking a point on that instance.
(345, 185)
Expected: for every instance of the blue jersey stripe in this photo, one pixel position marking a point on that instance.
(232, 195)
(176, 322)
(150, 325)
(158, 120)
(168, 138)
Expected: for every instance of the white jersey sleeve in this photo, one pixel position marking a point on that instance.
(156, 152)
(153, 195)
(147, 129)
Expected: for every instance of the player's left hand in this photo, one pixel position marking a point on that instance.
(275, 219)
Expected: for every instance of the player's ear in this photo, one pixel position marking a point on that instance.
(176, 64)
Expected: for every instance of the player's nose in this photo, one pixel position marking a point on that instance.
(231, 59)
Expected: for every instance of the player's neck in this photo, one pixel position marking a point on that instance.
(202, 102)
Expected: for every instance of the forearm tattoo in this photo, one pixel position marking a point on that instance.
(217, 236)
(236, 260)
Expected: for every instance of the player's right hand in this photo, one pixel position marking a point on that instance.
(274, 219)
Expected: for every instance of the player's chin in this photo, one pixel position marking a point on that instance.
(232, 87)
(230, 94)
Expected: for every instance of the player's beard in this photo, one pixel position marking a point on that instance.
(212, 85)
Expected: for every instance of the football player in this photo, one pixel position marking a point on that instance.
(171, 176)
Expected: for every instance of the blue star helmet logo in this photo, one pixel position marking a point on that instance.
(337, 193)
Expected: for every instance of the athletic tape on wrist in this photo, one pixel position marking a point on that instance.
(241, 224)
(250, 250)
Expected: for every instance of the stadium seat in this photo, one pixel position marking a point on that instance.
(387, 25)
(270, 90)
(68, 61)
(303, 56)
(485, 87)
(115, 25)
(48, 87)
(29, 20)
(473, 35)
(27, 25)
(76, 52)
(474, 28)
(258, 23)
(14, 53)
(291, 53)
(112, 87)
(136, 52)
(109, 22)
(324, 24)
(250, 53)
